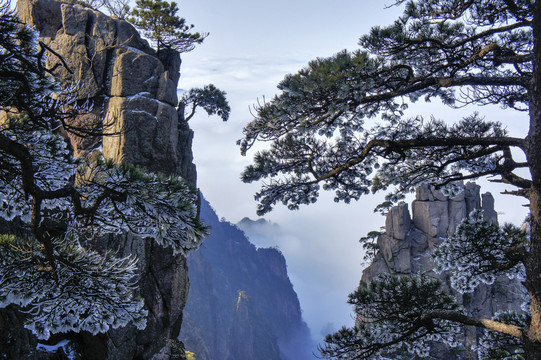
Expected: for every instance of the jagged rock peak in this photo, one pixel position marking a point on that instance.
(407, 239)
(407, 244)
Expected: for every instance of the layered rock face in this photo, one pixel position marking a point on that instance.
(408, 242)
(242, 305)
(135, 92)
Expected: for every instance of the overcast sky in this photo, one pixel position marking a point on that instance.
(251, 46)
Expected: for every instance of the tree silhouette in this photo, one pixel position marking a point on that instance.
(463, 52)
(159, 23)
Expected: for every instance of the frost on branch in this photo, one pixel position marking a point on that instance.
(480, 251)
(146, 204)
(320, 129)
(112, 198)
(50, 199)
(87, 291)
(75, 289)
(441, 163)
(398, 314)
(352, 160)
(54, 169)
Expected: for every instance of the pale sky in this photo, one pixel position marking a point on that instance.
(252, 45)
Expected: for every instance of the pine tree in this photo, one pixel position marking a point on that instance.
(159, 22)
(474, 52)
(53, 203)
(210, 98)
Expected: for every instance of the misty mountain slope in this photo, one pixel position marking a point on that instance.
(241, 303)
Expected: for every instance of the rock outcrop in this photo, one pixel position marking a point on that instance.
(242, 305)
(133, 93)
(134, 101)
(408, 242)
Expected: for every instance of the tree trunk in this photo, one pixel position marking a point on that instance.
(532, 334)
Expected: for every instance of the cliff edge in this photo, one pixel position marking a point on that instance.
(134, 101)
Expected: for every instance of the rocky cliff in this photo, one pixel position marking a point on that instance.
(133, 92)
(134, 97)
(407, 244)
(242, 305)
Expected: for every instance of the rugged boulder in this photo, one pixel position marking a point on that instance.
(110, 65)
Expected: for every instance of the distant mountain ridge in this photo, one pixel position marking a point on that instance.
(241, 304)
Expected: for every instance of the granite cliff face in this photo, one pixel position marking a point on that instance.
(242, 305)
(133, 92)
(134, 97)
(408, 242)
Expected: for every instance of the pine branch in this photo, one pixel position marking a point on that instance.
(395, 146)
(445, 82)
(455, 316)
